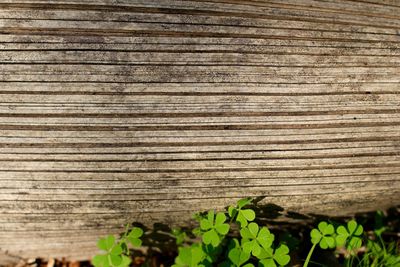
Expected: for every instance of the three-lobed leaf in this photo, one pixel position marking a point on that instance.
(278, 257)
(323, 235)
(214, 226)
(254, 238)
(350, 235)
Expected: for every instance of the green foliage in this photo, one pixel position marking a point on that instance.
(116, 253)
(323, 235)
(190, 256)
(242, 216)
(381, 254)
(272, 258)
(255, 244)
(254, 238)
(215, 228)
(327, 238)
(350, 235)
(216, 244)
(237, 256)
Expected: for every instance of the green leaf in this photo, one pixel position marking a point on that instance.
(220, 218)
(210, 216)
(325, 228)
(249, 214)
(136, 232)
(354, 228)
(327, 242)
(349, 235)
(341, 236)
(136, 242)
(126, 261)
(253, 229)
(265, 238)
(232, 211)
(184, 257)
(251, 246)
(242, 220)
(223, 229)
(197, 255)
(245, 233)
(106, 243)
(247, 246)
(243, 202)
(238, 256)
(341, 230)
(281, 255)
(100, 261)
(205, 224)
(115, 259)
(355, 243)
(323, 235)
(315, 236)
(341, 240)
(211, 237)
(189, 256)
(267, 262)
(116, 250)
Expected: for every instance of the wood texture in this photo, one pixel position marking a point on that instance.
(129, 110)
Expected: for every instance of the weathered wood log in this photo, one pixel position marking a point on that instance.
(120, 111)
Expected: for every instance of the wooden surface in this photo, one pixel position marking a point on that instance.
(120, 111)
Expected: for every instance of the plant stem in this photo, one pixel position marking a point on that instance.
(309, 255)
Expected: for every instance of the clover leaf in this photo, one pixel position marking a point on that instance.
(190, 257)
(270, 258)
(253, 238)
(243, 216)
(214, 227)
(114, 256)
(134, 235)
(237, 257)
(351, 234)
(323, 235)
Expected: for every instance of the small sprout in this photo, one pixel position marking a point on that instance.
(270, 258)
(253, 238)
(351, 235)
(214, 228)
(323, 235)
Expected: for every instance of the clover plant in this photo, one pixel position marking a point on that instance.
(215, 228)
(243, 216)
(273, 258)
(117, 252)
(254, 238)
(216, 244)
